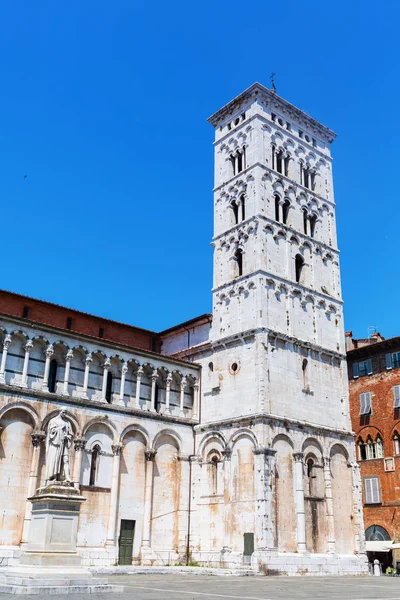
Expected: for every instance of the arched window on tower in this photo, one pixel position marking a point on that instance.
(305, 221)
(243, 206)
(235, 209)
(299, 265)
(239, 262)
(313, 221)
(94, 464)
(109, 387)
(239, 162)
(53, 376)
(285, 211)
(277, 207)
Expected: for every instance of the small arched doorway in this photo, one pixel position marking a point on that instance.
(378, 541)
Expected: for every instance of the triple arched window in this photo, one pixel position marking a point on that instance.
(371, 448)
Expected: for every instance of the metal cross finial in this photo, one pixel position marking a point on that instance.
(272, 78)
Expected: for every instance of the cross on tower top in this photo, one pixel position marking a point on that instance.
(272, 78)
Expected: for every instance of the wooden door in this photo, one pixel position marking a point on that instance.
(126, 542)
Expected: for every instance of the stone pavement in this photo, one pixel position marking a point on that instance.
(201, 587)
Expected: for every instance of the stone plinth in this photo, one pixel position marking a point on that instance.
(54, 521)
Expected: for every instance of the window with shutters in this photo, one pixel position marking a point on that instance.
(365, 403)
(393, 360)
(372, 491)
(396, 394)
(362, 368)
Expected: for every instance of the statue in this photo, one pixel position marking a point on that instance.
(58, 443)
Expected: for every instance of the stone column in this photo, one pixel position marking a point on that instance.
(227, 543)
(112, 515)
(182, 397)
(6, 345)
(49, 354)
(154, 378)
(184, 494)
(79, 445)
(359, 537)
(106, 366)
(68, 358)
(264, 470)
(195, 409)
(24, 378)
(168, 394)
(37, 438)
(150, 455)
(88, 360)
(330, 522)
(299, 502)
(124, 371)
(139, 374)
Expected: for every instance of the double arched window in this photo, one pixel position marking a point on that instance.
(370, 449)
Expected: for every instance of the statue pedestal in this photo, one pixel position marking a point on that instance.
(54, 524)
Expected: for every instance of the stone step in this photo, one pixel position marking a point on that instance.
(60, 589)
(55, 580)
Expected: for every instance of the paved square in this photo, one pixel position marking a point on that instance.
(208, 587)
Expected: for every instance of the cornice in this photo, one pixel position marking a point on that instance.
(100, 342)
(261, 217)
(292, 182)
(266, 418)
(15, 392)
(258, 92)
(270, 275)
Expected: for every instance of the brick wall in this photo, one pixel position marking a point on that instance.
(384, 420)
(57, 316)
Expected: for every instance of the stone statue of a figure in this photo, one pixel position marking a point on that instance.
(58, 443)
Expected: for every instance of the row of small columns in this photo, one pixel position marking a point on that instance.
(106, 367)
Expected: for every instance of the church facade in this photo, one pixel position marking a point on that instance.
(225, 440)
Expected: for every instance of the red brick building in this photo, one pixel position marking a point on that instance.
(374, 382)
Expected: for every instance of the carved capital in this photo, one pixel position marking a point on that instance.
(183, 457)
(28, 345)
(298, 456)
(50, 350)
(183, 383)
(7, 341)
(107, 363)
(326, 461)
(139, 372)
(37, 438)
(154, 375)
(89, 359)
(265, 450)
(196, 384)
(79, 443)
(69, 356)
(227, 453)
(124, 368)
(150, 454)
(169, 380)
(117, 448)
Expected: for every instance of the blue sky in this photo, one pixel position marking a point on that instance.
(104, 108)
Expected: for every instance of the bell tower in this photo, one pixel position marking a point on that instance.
(276, 262)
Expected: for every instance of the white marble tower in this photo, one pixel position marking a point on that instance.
(275, 475)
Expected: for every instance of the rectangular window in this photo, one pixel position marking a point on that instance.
(396, 445)
(69, 322)
(396, 394)
(300, 133)
(396, 360)
(273, 116)
(362, 368)
(101, 332)
(314, 142)
(372, 491)
(389, 464)
(365, 403)
(25, 312)
(288, 126)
